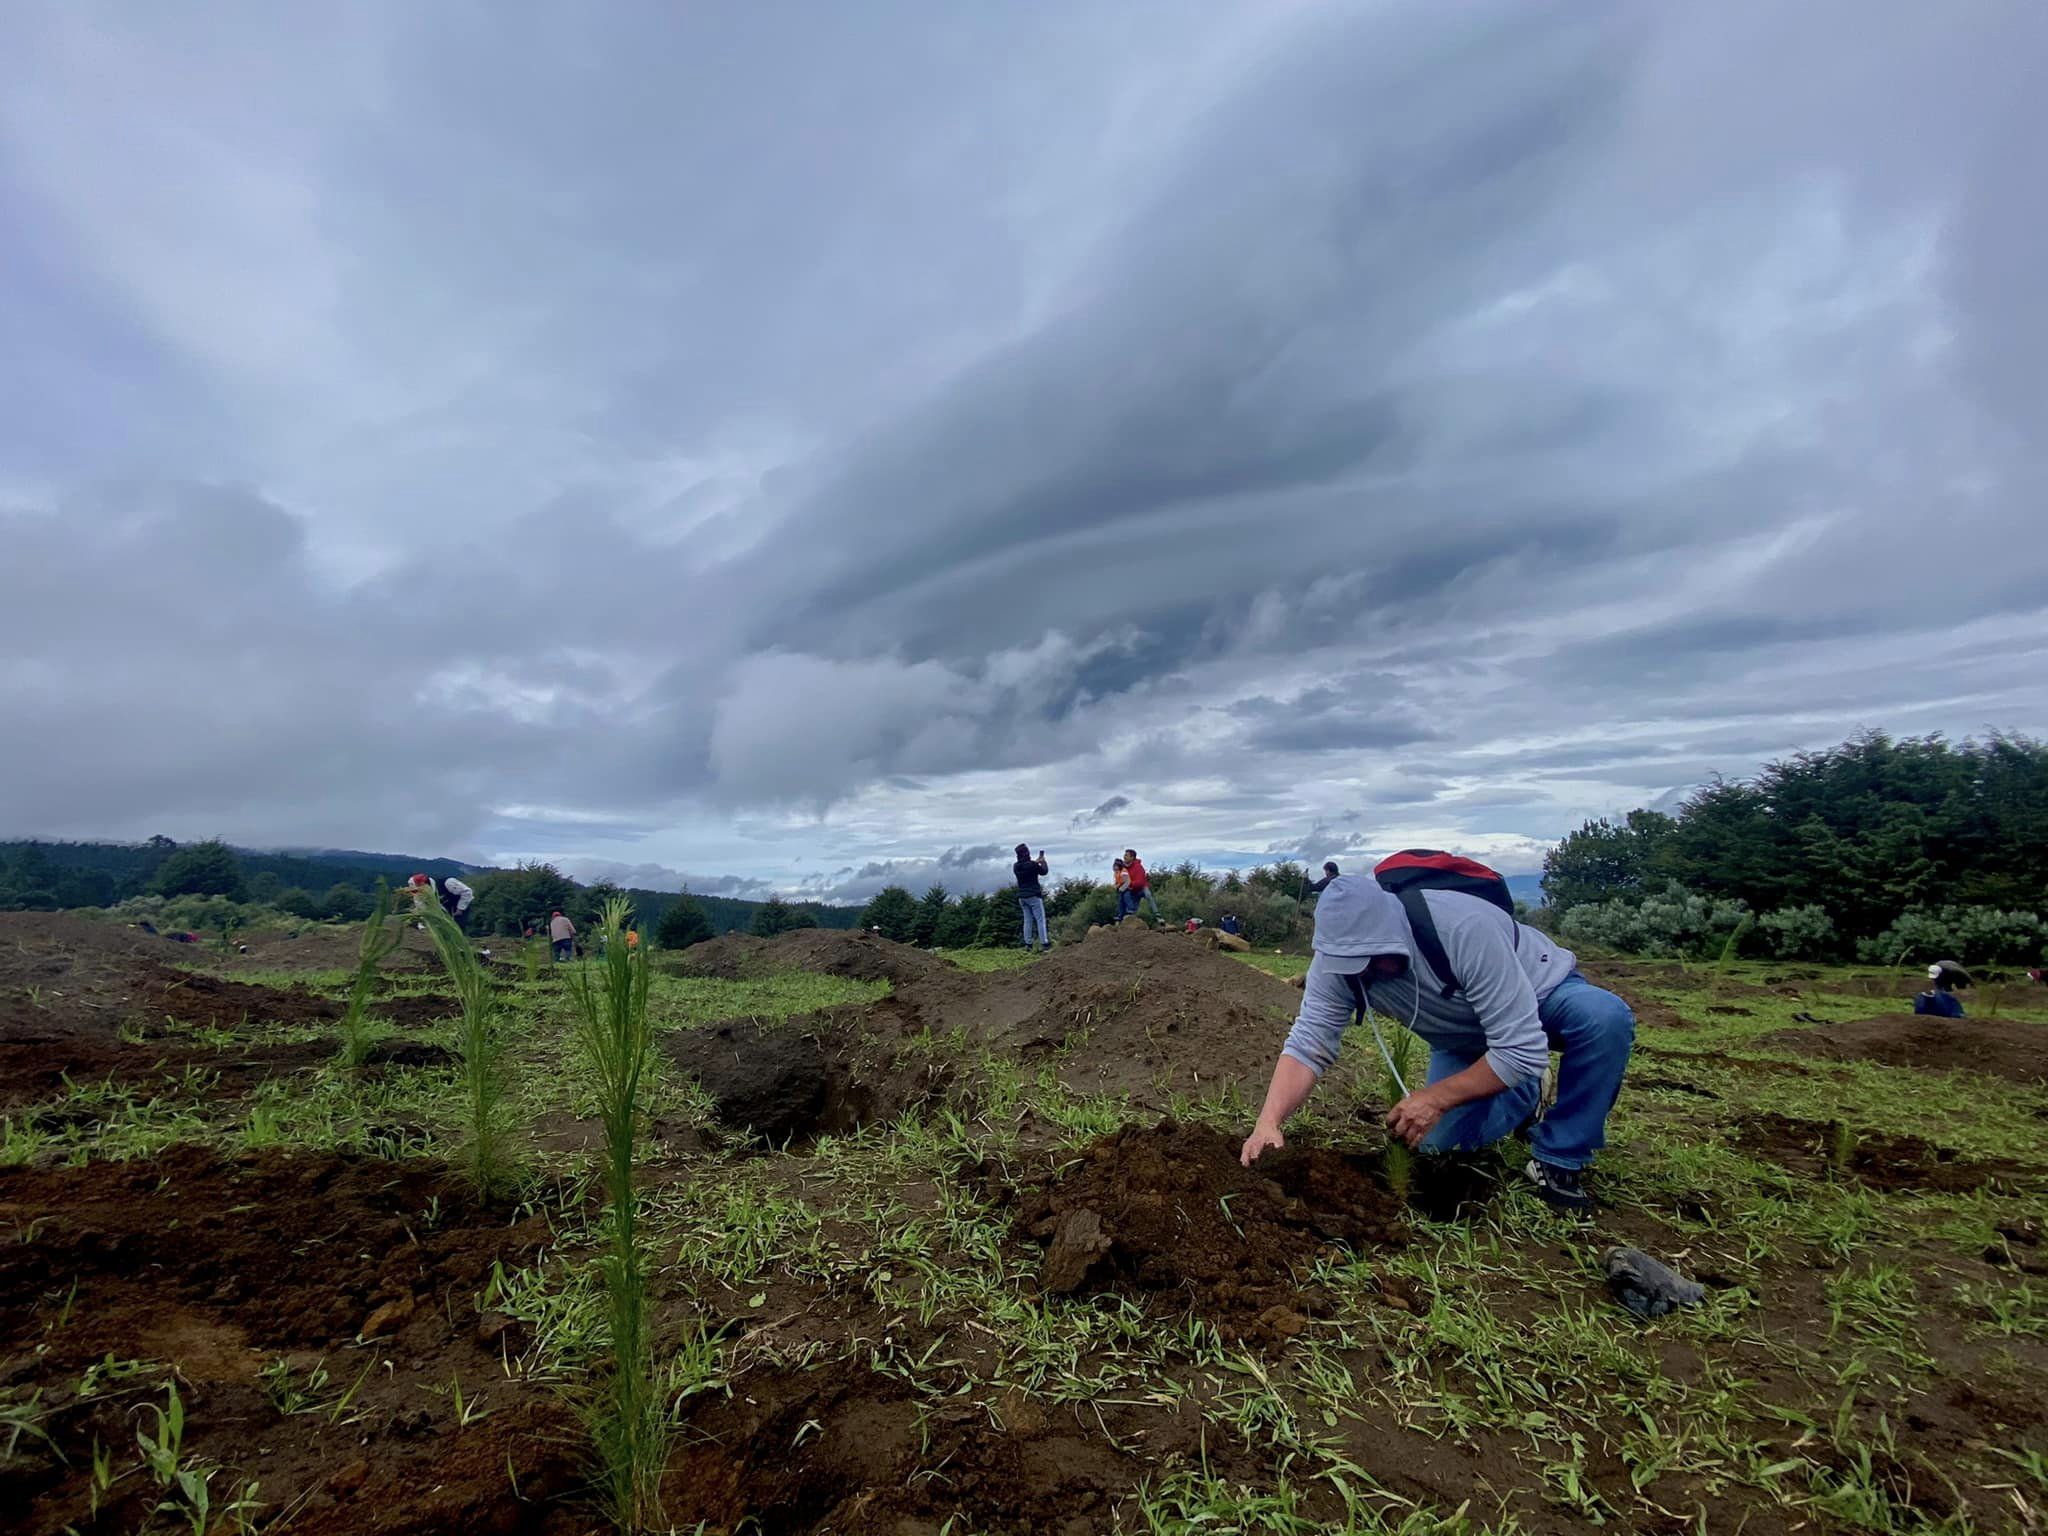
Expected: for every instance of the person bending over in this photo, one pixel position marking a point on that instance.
(1513, 996)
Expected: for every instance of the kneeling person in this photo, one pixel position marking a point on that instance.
(1513, 994)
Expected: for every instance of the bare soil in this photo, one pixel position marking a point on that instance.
(1168, 1214)
(71, 988)
(209, 1268)
(2007, 1048)
(212, 1268)
(1813, 1148)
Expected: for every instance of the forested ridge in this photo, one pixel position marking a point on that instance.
(1886, 850)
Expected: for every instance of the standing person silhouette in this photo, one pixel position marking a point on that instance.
(1141, 885)
(1031, 897)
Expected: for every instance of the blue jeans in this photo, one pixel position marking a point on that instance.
(1033, 908)
(1595, 1031)
(1130, 905)
(563, 949)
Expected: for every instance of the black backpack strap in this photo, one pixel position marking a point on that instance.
(1423, 926)
(1355, 982)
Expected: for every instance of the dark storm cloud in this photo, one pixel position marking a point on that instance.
(1102, 812)
(1584, 395)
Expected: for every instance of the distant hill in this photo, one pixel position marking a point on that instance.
(41, 875)
(1527, 888)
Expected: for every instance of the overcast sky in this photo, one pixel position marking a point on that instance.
(797, 446)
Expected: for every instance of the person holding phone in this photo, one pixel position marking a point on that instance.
(1031, 897)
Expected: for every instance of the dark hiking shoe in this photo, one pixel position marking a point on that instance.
(1562, 1189)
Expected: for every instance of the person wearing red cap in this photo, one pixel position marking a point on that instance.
(561, 934)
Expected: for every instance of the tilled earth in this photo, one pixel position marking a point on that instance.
(961, 1269)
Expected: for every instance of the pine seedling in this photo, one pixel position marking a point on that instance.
(379, 938)
(487, 1153)
(616, 1040)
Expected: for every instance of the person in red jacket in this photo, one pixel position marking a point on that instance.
(1141, 885)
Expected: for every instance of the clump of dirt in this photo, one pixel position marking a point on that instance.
(2007, 1048)
(217, 1268)
(1812, 1147)
(1167, 1212)
(807, 1078)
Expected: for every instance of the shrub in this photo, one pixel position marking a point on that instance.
(1675, 924)
(1799, 933)
(1973, 935)
(683, 924)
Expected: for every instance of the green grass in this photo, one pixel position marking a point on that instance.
(988, 959)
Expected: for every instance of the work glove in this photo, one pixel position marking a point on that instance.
(1646, 1286)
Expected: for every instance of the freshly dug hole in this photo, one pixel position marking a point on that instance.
(801, 1080)
(1167, 1212)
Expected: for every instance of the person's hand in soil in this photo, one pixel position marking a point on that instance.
(1263, 1139)
(1414, 1117)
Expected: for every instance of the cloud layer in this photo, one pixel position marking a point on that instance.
(802, 450)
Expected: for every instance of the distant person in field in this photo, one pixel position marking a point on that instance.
(1490, 995)
(1121, 874)
(1031, 897)
(454, 896)
(1329, 874)
(1940, 997)
(562, 936)
(1141, 885)
(1230, 924)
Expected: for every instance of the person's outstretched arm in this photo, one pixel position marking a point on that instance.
(1310, 1049)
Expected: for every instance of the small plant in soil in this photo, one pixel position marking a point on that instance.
(379, 938)
(627, 1423)
(487, 1150)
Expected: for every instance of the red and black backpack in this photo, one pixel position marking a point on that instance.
(1412, 871)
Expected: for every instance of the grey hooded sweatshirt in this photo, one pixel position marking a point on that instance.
(1495, 1013)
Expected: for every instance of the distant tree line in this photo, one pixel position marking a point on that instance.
(1268, 902)
(340, 886)
(1891, 851)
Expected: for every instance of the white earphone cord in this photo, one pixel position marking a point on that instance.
(1372, 1020)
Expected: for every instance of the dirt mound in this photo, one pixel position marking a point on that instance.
(1167, 1212)
(219, 1268)
(2006, 1048)
(1831, 1149)
(1133, 1011)
(851, 953)
(806, 1078)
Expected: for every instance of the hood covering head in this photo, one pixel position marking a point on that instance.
(1356, 920)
